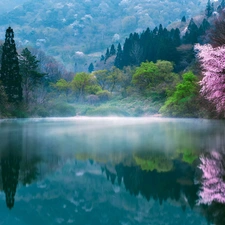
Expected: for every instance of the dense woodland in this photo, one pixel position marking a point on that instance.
(63, 29)
(158, 71)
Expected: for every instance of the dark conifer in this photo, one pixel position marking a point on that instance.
(191, 35)
(119, 55)
(10, 76)
(112, 50)
(102, 58)
(183, 19)
(176, 37)
(91, 68)
(209, 9)
(107, 54)
(222, 4)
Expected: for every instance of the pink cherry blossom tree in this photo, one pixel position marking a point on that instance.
(213, 67)
(212, 181)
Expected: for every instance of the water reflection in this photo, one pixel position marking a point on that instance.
(157, 170)
(211, 192)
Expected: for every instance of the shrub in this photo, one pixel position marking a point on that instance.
(104, 95)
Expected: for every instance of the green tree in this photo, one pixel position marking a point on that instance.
(3, 101)
(183, 19)
(102, 78)
(114, 78)
(30, 75)
(112, 50)
(63, 86)
(191, 35)
(10, 75)
(209, 9)
(155, 78)
(81, 84)
(183, 102)
(145, 75)
(118, 59)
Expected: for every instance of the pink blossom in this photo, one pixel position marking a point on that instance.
(213, 185)
(213, 68)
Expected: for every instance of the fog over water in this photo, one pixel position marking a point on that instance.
(110, 170)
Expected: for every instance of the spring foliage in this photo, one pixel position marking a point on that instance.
(182, 101)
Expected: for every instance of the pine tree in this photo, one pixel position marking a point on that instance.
(10, 76)
(112, 50)
(107, 55)
(209, 9)
(29, 72)
(118, 60)
(183, 19)
(91, 68)
(222, 4)
(191, 36)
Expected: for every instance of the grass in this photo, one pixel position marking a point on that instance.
(133, 106)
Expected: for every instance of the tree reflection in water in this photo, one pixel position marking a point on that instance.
(160, 186)
(213, 176)
(212, 190)
(10, 163)
(14, 169)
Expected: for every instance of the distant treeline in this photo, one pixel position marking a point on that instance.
(157, 44)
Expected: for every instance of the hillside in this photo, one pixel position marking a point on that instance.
(77, 33)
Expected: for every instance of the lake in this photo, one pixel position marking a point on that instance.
(126, 171)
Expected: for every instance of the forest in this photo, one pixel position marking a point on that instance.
(160, 71)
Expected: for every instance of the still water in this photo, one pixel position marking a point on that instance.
(126, 171)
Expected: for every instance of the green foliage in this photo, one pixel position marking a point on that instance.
(62, 109)
(93, 89)
(81, 84)
(10, 76)
(106, 111)
(114, 78)
(102, 78)
(62, 85)
(155, 79)
(157, 162)
(31, 77)
(146, 75)
(183, 101)
(189, 156)
(3, 102)
(103, 95)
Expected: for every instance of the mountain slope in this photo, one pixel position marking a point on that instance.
(76, 32)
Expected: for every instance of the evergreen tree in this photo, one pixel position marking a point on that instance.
(205, 25)
(91, 68)
(107, 54)
(102, 58)
(209, 9)
(119, 55)
(222, 4)
(29, 72)
(191, 36)
(10, 76)
(112, 50)
(183, 19)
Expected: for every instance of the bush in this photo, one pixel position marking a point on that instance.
(92, 99)
(182, 103)
(106, 111)
(104, 95)
(62, 109)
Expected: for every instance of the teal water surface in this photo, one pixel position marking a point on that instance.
(126, 171)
